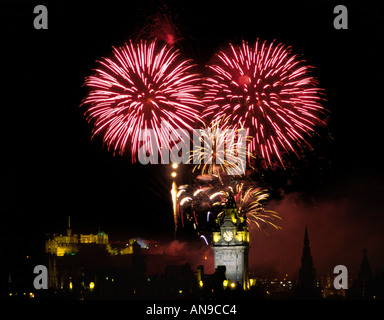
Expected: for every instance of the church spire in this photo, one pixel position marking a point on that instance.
(306, 259)
(306, 239)
(365, 272)
(307, 272)
(363, 285)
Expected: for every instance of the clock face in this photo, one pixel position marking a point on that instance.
(228, 235)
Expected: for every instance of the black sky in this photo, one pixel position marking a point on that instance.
(52, 169)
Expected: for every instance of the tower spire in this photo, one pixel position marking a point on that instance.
(69, 230)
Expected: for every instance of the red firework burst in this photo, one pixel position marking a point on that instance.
(268, 91)
(137, 89)
(162, 27)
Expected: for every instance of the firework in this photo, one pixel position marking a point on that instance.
(267, 90)
(250, 205)
(207, 204)
(191, 200)
(144, 90)
(161, 26)
(220, 151)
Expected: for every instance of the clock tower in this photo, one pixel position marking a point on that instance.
(231, 244)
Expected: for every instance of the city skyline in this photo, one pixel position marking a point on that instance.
(90, 266)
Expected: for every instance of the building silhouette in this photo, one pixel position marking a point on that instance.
(364, 283)
(307, 287)
(90, 266)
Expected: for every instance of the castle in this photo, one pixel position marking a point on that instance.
(69, 244)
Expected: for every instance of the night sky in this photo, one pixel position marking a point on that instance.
(51, 168)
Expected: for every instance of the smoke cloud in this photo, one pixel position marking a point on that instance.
(340, 225)
(341, 222)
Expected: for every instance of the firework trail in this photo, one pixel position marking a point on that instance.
(267, 90)
(174, 205)
(141, 87)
